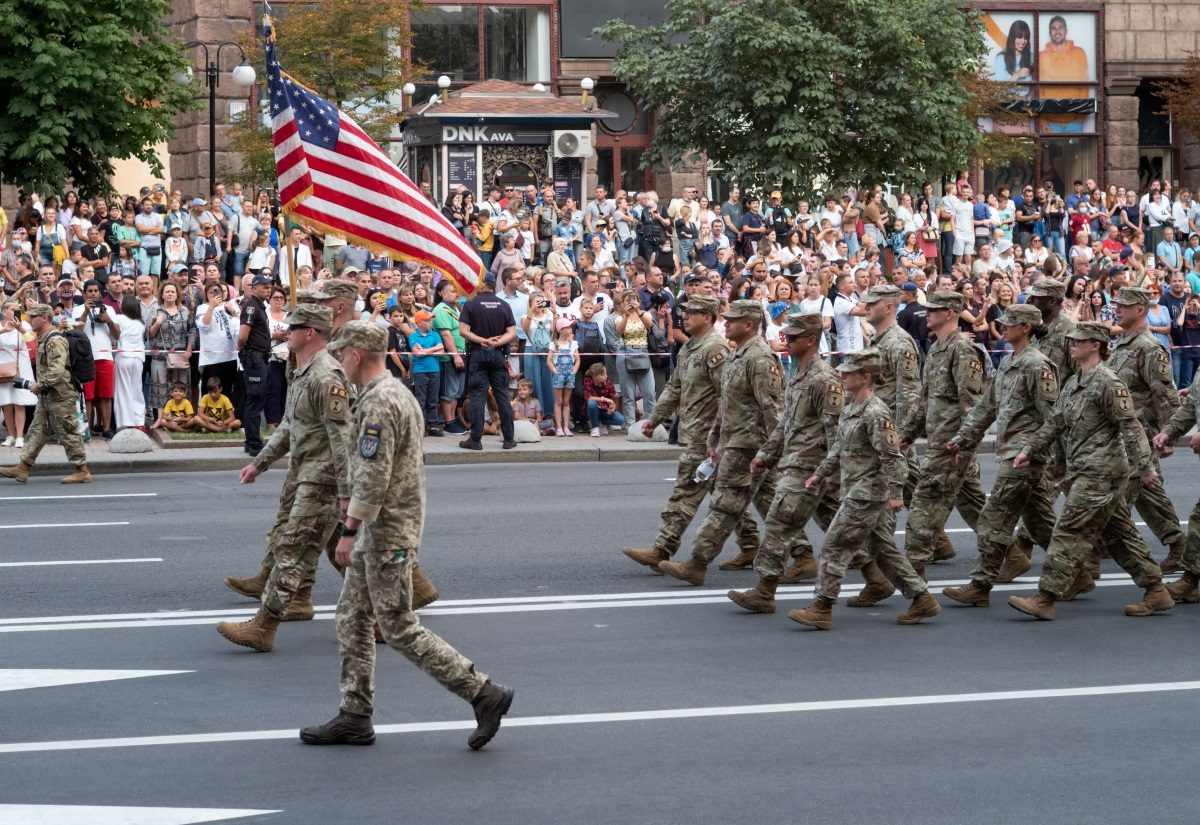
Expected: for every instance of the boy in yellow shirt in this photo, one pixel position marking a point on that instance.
(177, 414)
(216, 411)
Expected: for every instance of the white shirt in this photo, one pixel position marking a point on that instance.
(834, 217)
(824, 306)
(132, 344)
(1180, 215)
(303, 258)
(849, 330)
(96, 331)
(218, 338)
(964, 216)
(905, 214)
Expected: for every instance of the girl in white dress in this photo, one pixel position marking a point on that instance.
(14, 348)
(129, 405)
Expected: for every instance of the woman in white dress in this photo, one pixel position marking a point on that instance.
(129, 405)
(14, 349)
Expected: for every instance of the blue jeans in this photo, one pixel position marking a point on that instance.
(597, 416)
(625, 253)
(1187, 369)
(1058, 244)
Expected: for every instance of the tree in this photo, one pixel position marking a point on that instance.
(1181, 95)
(808, 94)
(354, 52)
(83, 84)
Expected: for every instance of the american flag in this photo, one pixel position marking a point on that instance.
(334, 178)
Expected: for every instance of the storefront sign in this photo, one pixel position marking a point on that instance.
(493, 134)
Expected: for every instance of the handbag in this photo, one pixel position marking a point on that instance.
(60, 254)
(8, 371)
(637, 361)
(929, 233)
(177, 361)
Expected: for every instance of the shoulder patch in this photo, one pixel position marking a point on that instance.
(368, 445)
(340, 392)
(1122, 403)
(974, 377)
(835, 398)
(1164, 364)
(908, 366)
(717, 357)
(1048, 384)
(889, 432)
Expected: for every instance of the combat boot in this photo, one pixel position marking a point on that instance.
(18, 473)
(943, 550)
(649, 556)
(1084, 583)
(490, 704)
(82, 475)
(878, 587)
(802, 569)
(690, 571)
(1173, 563)
(923, 606)
(251, 586)
(300, 608)
(343, 729)
(743, 560)
(1155, 600)
(818, 615)
(1016, 561)
(1187, 589)
(759, 600)
(1040, 606)
(423, 591)
(257, 633)
(973, 595)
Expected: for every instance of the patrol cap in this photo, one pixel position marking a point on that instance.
(881, 292)
(364, 335)
(1048, 288)
(39, 309)
(306, 296)
(1020, 314)
(744, 309)
(1089, 331)
(944, 299)
(866, 360)
(333, 288)
(804, 323)
(703, 303)
(312, 316)
(1134, 296)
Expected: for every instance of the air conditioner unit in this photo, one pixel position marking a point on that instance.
(572, 144)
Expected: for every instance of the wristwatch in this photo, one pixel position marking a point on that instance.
(346, 532)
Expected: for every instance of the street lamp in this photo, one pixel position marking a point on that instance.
(243, 76)
(444, 85)
(587, 84)
(410, 89)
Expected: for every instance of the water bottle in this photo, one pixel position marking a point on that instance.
(705, 471)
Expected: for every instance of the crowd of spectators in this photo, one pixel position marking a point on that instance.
(159, 284)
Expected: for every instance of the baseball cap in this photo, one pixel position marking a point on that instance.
(563, 323)
(197, 201)
(177, 268)
(64, 281)
(422, 315)
(261, 280)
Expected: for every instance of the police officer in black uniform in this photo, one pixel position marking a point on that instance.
(488, 325)
(254, 347)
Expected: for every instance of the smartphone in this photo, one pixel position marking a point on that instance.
(600, 300)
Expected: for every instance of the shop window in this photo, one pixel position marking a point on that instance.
(446, 41)
(1014, 176)
(516, 43)
(1154, 124)
(1068, 159)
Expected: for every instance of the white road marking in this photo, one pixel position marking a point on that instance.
(25, 679)
(619, 716)
(86, 495)
(57, 526)
(96, 815)
(465, 607)
(72, 563)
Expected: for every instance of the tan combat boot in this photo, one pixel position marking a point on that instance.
(257, 633)
(690, 571)
(423, 591)
(82, 475)
(1040, 606)
(923, 606)
(649, 556)
(251, 586)
(1016, 561)
(1173, 563)
(973, 595)
(18, 473)
(759, 600)
(802, 569)
(818, 615)
(300, 608)
(943, 550)
(1155, 600)
(742, 561)
(1187, 589)
(1084, 583)
(878, 587)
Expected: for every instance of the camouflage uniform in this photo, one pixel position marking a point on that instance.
(694, 391)
(1184, 418)
(865, 456)
(953, 383)
(899, 384)
(1144, 367)
(748, 413)
(811, 405)
(1104, 443)
(56, 403)
(1019, 400)
(387, 494)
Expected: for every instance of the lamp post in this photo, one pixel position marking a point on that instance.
(410, 89)
(243, 76)
(587, 84)
(444, 84)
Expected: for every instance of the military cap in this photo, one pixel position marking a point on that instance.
(806, 323)
(864, 360)
(702, 303)
(1048, 288)
(306, 296)
(334, 288)
(744, 309)
(1020, 314)
(944, 300)
(882, 292)
(312, 316)
(1089, 331)
(364, 335)
(1134, 296)
(39, 309)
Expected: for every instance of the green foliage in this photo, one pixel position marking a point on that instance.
(1181, 95)
(808, 94)
(83, 84)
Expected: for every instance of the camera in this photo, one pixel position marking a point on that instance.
(20, 383)
(658, 299)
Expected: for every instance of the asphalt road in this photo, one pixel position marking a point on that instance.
(638, 699)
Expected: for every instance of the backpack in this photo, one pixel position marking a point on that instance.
(589, 338)
(79, 356)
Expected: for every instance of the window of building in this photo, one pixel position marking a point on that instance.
(516, 43)
(446, 41)
(471, 42)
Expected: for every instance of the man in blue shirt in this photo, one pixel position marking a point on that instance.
(1168, 254)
